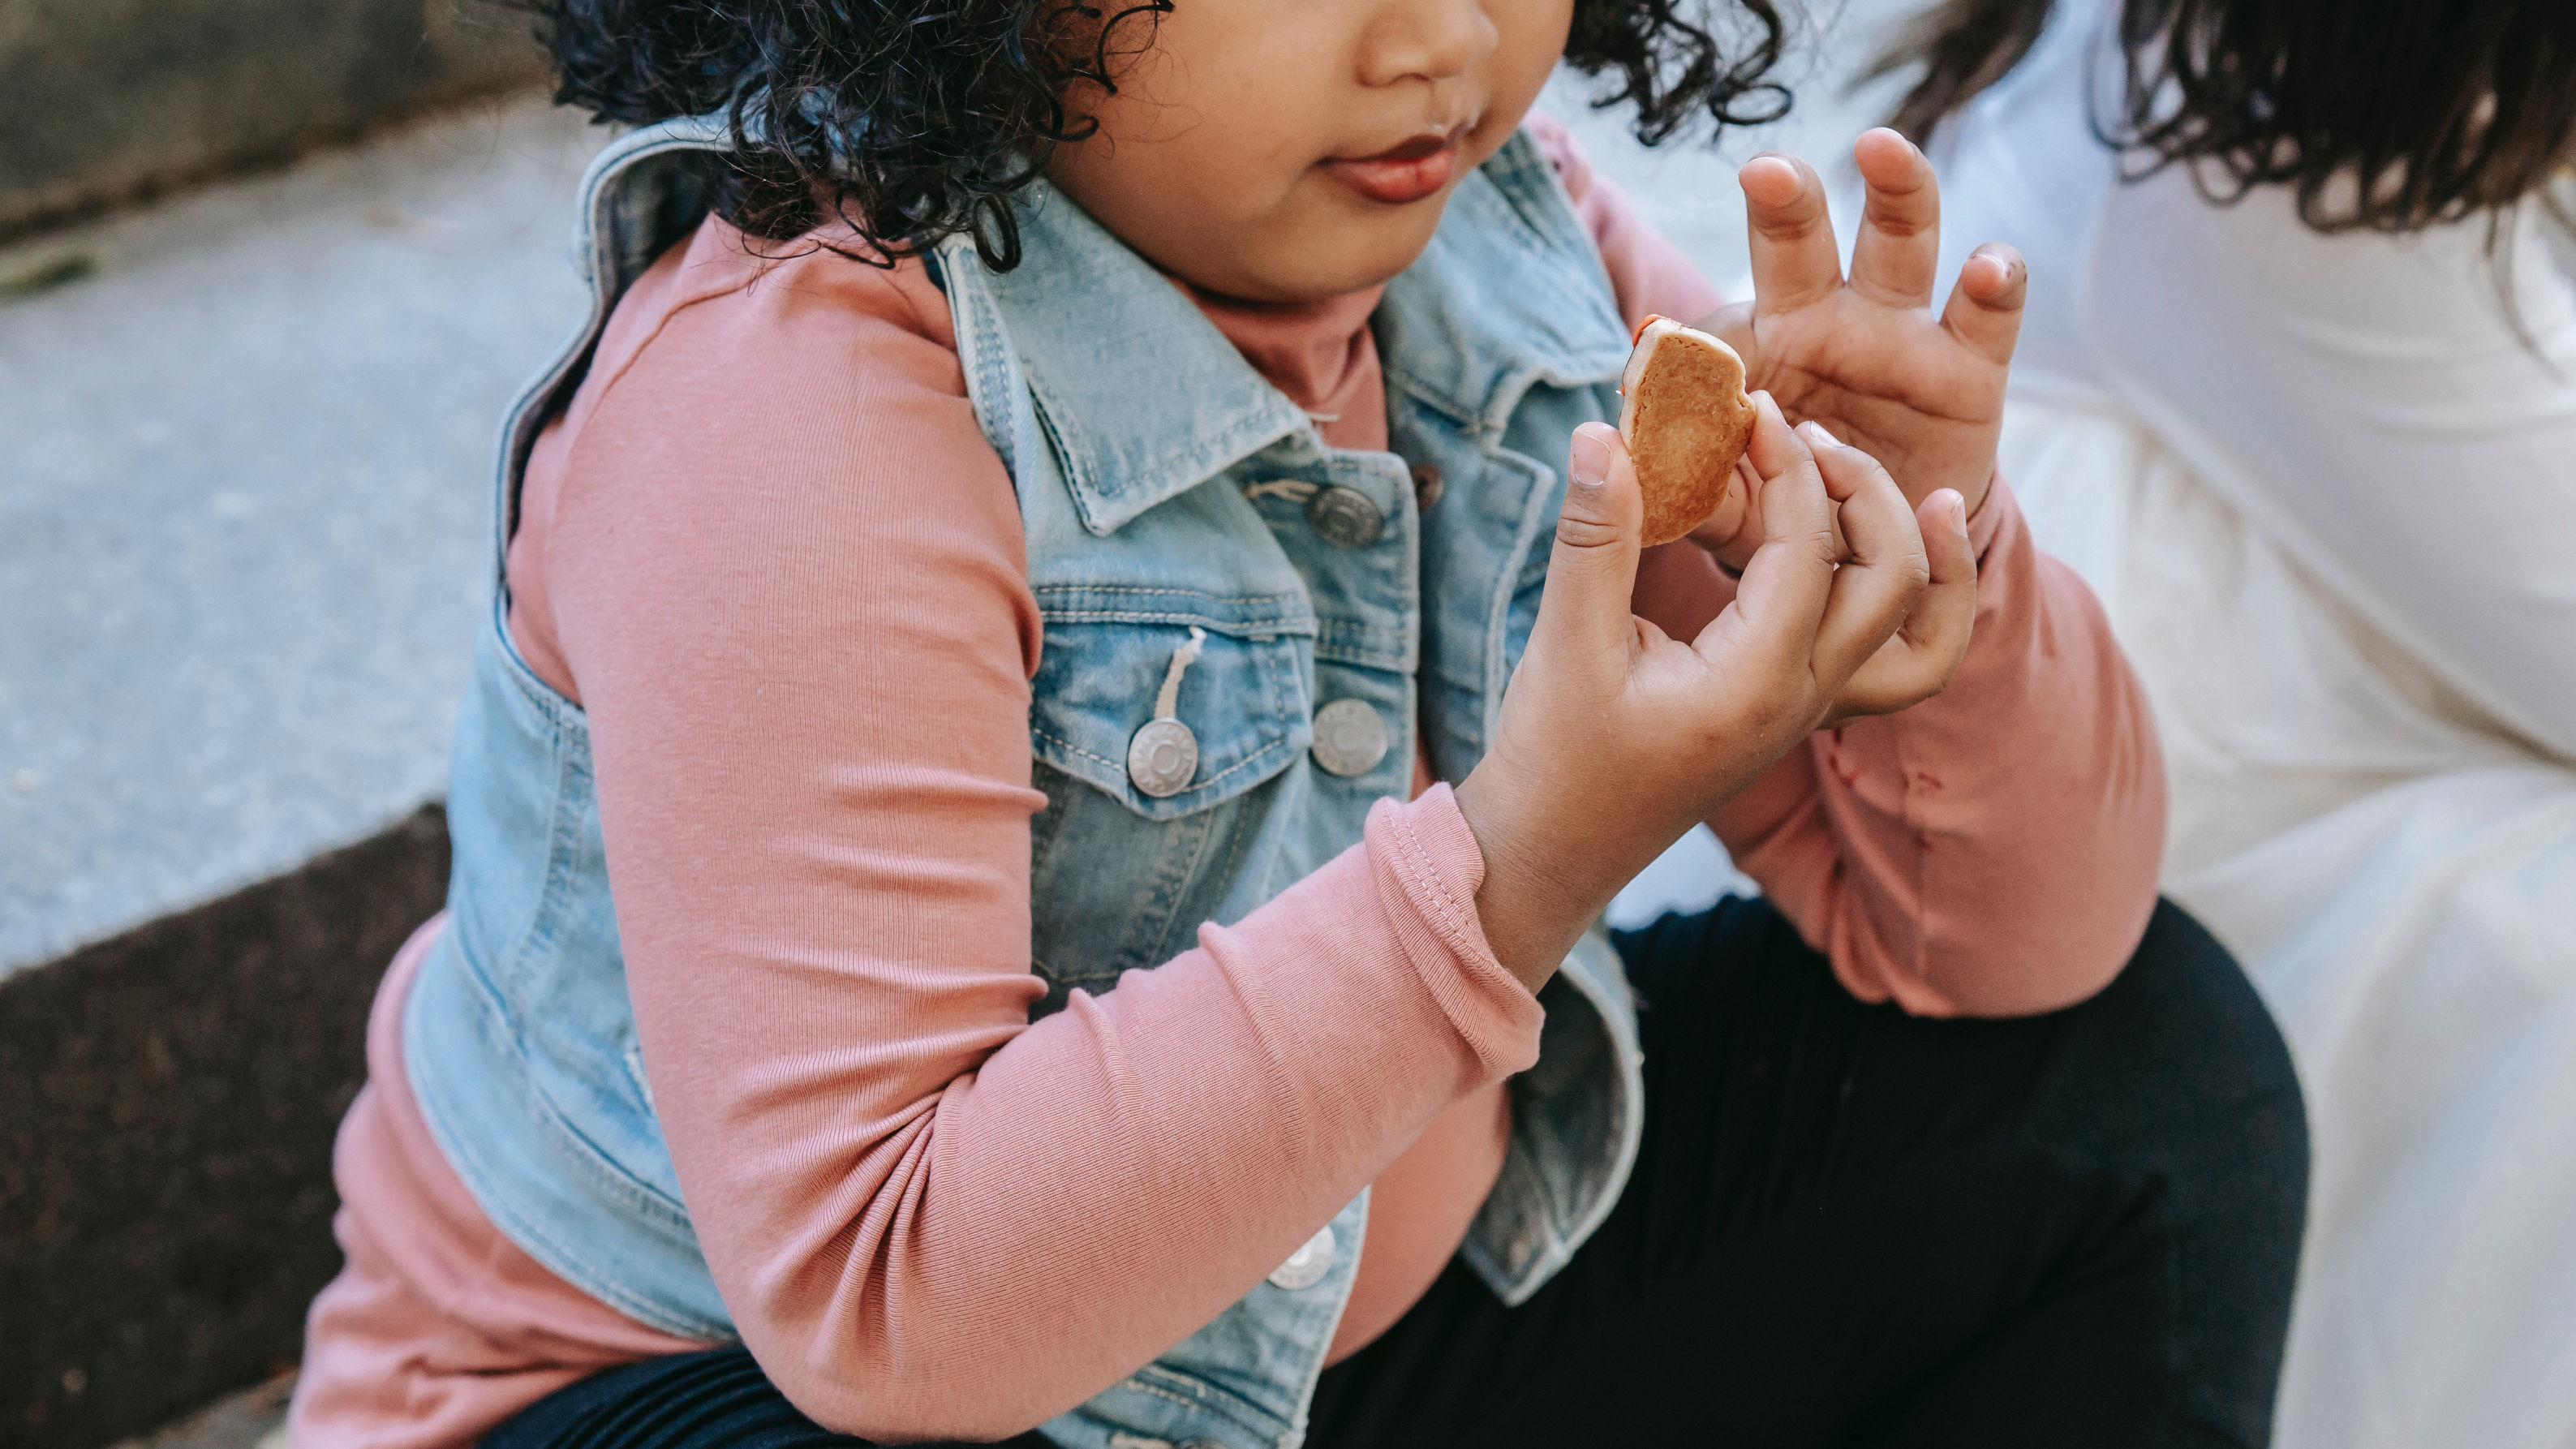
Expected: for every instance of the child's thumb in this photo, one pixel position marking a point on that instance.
(1593, 571)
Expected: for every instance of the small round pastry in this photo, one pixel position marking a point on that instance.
(1686, 420)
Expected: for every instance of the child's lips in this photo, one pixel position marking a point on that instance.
(1400, 174)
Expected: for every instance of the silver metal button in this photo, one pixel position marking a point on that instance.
(1162, 757)
(1350, 737)
(1345, 516)
(1307, 1266)
(1426, 485)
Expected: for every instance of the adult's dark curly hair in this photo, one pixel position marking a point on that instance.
(2439, 109)
(916, 120)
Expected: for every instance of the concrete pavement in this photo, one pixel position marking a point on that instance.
(242, 506)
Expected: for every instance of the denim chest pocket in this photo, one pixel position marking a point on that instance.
(1131, 853)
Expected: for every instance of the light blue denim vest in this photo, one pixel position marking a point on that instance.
(1169, 496)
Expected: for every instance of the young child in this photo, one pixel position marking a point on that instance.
(1030, 821)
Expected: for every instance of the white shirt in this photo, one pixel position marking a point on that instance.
(2326, 488)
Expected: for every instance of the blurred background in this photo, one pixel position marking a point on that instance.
(269, 269)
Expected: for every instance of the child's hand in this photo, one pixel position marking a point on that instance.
(1865, 356)
(1615, 738)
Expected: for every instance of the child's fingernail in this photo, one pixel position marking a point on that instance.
(1958, 510)
(1816, 433)
(1589, 466)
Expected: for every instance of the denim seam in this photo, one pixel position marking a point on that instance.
(1071, 748)
(1212, 1398)
(1258, 631)
(1190, 593)
(1247, 762)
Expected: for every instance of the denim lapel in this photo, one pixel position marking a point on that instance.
(1141, 396)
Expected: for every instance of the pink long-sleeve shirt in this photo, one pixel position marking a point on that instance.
(772, 556)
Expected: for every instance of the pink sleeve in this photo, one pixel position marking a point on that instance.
(1647, 273)
(786, 571)
(1992, 851)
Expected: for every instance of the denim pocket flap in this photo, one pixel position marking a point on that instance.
(1241, 697)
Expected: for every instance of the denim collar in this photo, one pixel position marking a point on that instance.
(1143, 398)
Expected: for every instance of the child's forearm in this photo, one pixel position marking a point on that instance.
(903, 1273)
(1992, 851)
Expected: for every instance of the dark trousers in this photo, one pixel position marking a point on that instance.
(1846, 1227)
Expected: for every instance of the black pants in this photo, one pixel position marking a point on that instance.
(1846, 1227)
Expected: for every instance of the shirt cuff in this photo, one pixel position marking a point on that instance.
(1427, 868)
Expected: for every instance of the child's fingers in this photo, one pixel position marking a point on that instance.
(1790, 574)
(1985, 306)
(1794, 501)
(1885, 571)
(1898, 254)
(1919, 662)
(1796, 260)
(1946, 615)
(1592, 573)
(1732, 324)
(1725, 532)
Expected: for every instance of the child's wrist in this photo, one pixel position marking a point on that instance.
(1531, 908)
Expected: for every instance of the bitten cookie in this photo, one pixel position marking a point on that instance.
(1686, 420)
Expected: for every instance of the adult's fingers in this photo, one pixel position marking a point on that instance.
(1899, 251)
(1592, 573)
(1796, 262)
(1985, 305)
(1886, 570)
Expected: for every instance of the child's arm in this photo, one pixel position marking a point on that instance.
(1992, 851)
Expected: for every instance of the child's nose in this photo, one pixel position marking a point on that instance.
(1431, 39)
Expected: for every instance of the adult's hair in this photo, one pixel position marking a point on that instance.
(2390, 115)
(915, 120)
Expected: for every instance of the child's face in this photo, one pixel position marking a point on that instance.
(1291, 150)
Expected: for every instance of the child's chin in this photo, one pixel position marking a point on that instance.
(1363, 252)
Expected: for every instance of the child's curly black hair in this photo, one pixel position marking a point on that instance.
(916, 119)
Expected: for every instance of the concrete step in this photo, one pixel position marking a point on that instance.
(243, 505)
(255, 1418)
